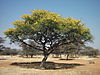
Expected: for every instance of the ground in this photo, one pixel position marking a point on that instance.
(25, 66)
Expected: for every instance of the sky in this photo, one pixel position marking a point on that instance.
(86, 10)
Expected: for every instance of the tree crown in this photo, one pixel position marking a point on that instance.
(48, 27)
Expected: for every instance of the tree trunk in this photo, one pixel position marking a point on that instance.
(42, 65)
(67, 56)
(53, 55)
(31, 56)
(27, 56)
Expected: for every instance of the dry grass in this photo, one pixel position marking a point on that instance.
(30, 66)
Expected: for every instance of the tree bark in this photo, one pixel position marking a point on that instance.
(67, 56)
(31, 56)
(42, 65)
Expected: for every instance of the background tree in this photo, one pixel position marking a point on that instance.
(49, 30)
(69, 50)
(1, 44)
(90, 51)
(9, 51)
(28, 51)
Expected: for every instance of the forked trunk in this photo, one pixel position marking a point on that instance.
(42, 65)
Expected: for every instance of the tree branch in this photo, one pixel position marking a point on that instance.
(29, 45)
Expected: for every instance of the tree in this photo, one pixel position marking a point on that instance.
(9, 51)
(69, 49)
(28, 51)
(49, 30)
(1, 46)
(90, 51)
(1, 40)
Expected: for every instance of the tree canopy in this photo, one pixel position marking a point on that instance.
(49, 30)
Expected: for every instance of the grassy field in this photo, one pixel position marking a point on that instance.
(55, 66)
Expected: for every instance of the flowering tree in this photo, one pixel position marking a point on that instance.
(49, 30)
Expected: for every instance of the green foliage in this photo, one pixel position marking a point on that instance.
(49, 30)
(41, 19)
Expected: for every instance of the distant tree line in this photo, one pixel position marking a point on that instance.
(90, 51)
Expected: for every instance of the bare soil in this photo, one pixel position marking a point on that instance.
(55, 66)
